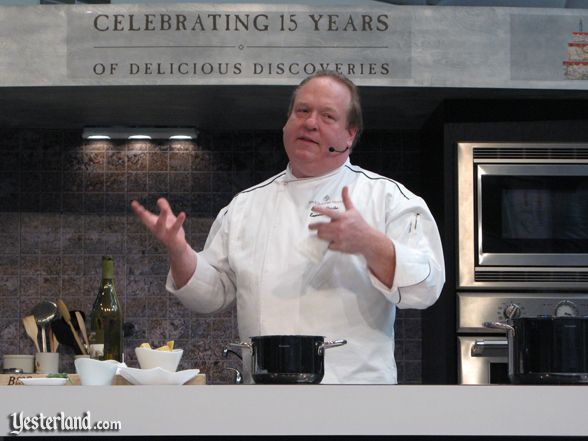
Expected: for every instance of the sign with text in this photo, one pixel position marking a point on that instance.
(206, 43)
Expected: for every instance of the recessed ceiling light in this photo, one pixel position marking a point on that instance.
(138, 133)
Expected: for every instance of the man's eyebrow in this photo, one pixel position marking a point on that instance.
(331, 109)
(326, 108)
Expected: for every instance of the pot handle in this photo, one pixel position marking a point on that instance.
(238, 376)
(499, 325)
(330, 344)
(488, 348)
(242, 345)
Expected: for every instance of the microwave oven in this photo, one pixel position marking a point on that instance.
(522, 214)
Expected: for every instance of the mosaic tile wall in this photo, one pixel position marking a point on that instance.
(64, 203)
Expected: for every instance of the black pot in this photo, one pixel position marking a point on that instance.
(546, 350)
(288, 359)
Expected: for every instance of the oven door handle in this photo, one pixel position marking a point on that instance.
(486, 348)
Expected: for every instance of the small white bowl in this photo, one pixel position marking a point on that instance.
(157, 376)
(95, 372)
(150, 358)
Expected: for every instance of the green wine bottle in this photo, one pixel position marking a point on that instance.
(106, 319)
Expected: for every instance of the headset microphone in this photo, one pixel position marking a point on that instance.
(333, 150)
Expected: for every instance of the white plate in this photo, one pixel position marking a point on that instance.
(43, 381)
(157, 376)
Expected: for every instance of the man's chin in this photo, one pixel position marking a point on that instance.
(307, 166)
(306, 154)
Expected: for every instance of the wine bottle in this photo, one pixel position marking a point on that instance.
(106, 337)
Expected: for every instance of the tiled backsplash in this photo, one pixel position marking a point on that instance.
(64, 203)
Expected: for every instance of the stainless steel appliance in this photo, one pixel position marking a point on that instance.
(522, 216)
(482, 360)
(483, 352)
(522, 244)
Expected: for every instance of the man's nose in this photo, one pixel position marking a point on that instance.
(311, 120)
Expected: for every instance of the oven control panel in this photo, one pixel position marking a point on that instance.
(475, 308)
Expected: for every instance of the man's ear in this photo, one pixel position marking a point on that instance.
(352, 132)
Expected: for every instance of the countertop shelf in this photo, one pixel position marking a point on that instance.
(311, 409)
(74, 380)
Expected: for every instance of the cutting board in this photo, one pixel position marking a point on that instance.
(13, 380)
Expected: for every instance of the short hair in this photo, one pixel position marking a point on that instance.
(354, 113)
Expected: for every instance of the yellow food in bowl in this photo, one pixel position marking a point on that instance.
(169, 347)
(162, 357)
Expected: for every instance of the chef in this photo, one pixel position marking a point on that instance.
(323, 248)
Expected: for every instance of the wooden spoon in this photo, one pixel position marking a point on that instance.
(30, 326)
(55, 342)
(82, 326)
(67, 317)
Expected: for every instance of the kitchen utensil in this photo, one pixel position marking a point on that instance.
(546, 350)
(44, 312)
(54, 343)
(285, 359)
(67, 317)
(82, 326)
(63, 333)
(50, 338)
(30, 326)
(151, 358)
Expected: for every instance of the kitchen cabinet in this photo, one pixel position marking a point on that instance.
(229, 410)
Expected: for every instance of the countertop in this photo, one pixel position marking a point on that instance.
(307, 409)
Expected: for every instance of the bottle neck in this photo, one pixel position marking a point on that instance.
(107, 269)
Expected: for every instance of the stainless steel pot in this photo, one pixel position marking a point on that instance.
(546, 350)
(288, 359)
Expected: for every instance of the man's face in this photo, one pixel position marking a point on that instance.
(318, 121)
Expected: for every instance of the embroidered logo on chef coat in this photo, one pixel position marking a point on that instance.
(325, 203)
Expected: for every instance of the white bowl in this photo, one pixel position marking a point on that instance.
(157, 376)
(95, 372)
(150, 358)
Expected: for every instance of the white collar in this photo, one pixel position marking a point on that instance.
(289, 176)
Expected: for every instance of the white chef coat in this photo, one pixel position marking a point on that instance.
(285, 280)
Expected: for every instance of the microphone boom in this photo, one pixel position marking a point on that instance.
(334, 150)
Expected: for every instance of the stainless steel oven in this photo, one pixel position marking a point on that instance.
(483, 359)
(483, 352)
(522, 216)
